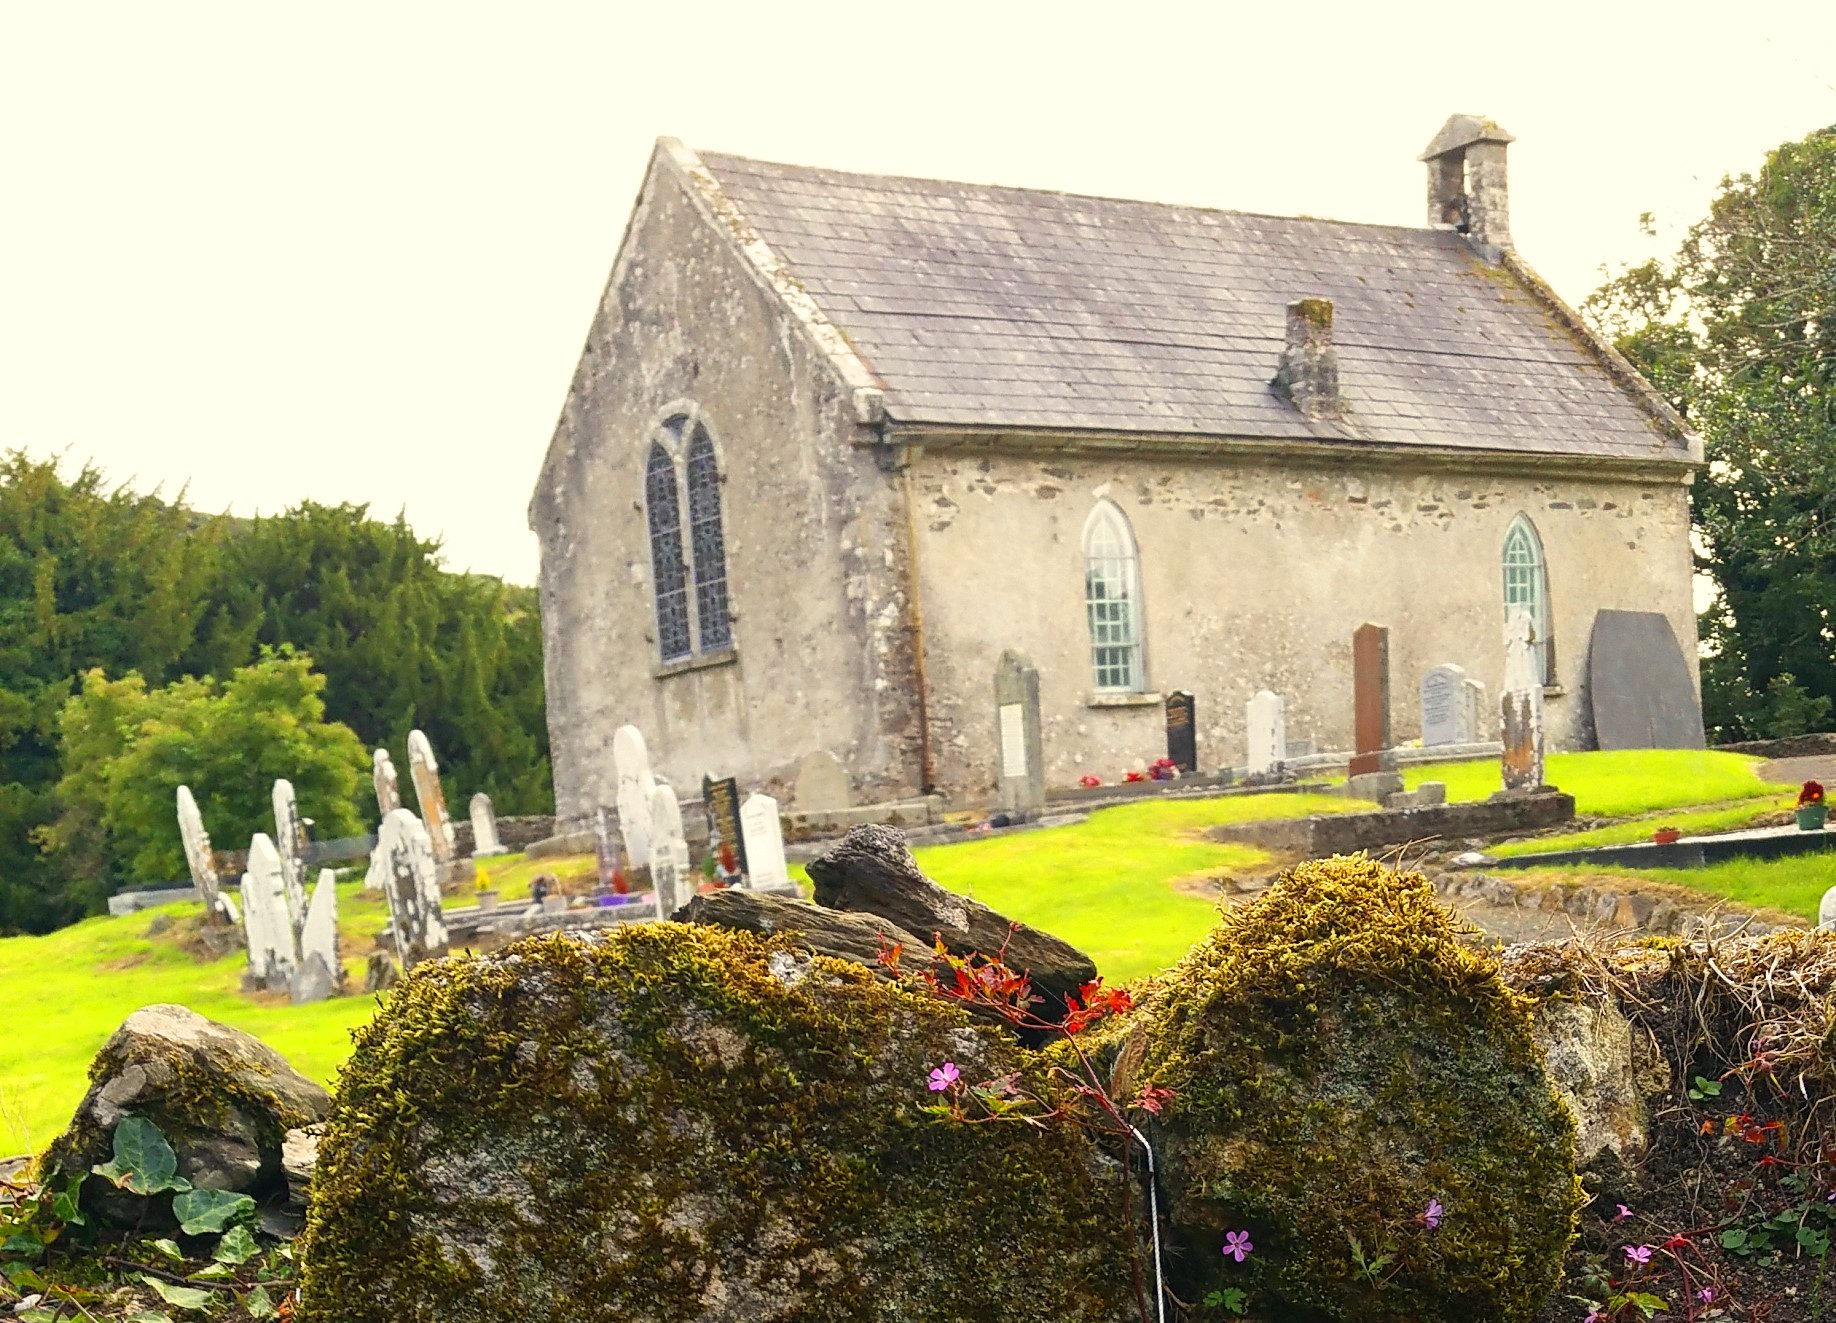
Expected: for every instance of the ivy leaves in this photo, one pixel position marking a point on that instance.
(144, 1162)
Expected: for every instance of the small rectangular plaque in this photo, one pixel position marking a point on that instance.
(1013, 739)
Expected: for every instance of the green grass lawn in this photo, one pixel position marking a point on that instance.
(1731, 817)
(1795, 884)
(1617, 784)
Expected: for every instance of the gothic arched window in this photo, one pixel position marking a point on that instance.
(668, 573)
(1112, 597)
(1526, 588)
(708, 545)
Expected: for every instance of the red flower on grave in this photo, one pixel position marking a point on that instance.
(1811, 794)
(1089, 782)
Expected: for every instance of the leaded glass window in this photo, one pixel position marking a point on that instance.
(1526, 588)
(1112, 598)
(708, 545)
(669, 575)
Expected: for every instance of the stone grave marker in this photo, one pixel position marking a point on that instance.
(424, 769)
(1476, 724)
(1443, 693)
(1639, 685)
(763, 833)
(606, 853)
(290, 841)
(1521, 706)
(388, 785)
(1182, 732)
(822, 784)
(265, 918)
(320, 973)
(1267, 719)
(722, 802)
(1371, 699)
(669, 857)
(1019, 744)
(631, 764)
(413, 888)
(198, 856)
(484, 827)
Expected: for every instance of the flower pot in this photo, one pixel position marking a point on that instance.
(1811, 817)
(1666, 836)
(487, 900)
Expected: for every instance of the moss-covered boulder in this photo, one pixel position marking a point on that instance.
(223, 1100)
(1354, 1082)
(676, 1122)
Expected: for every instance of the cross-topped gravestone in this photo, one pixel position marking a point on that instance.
(1371, 699)
(388, 785)
(763, 833)
(631, 764)
(1443, 694)
(1521, 706)
(406, 853)
(424, 769)
(669, 856)
(1267, 717)
(484, 827)
(1182, 732)
(290, 841)
(198, 856)
(1019, 744)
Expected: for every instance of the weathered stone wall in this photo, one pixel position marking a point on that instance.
(813, 531)
(1347, 833)
(1255, 572)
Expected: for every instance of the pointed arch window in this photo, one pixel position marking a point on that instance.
(669, 575)
(708, 545)
(1526, 588)
(1112, 600)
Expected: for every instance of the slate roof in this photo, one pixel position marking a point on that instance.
(1009, 307)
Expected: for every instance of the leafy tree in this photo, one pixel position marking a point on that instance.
(1738, 330)
(127, 749)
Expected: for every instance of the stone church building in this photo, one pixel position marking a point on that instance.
(836, 441)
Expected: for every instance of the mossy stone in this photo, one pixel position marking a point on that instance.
(1340, 1059)
(676, 1122)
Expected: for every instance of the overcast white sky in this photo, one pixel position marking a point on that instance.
(348, 252)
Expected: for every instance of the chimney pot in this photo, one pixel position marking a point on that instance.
(1466, 182)
(1309, 373)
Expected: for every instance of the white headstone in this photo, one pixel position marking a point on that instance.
(763, 833)
(1521, 706)
(1268, 734)
(412, 883)
(197, 852)
(273, 946)
(1443, 693)
(631, 764)
(1826, 912)
(290, 841)
(388, 785)
(484, 827)
(669, 856)
(424, 769)
(1474, 713)
(320, 972)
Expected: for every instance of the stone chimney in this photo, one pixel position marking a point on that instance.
(1309, 374)
(1466, 182)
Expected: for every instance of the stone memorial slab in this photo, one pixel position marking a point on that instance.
(1444, 716)
(670, 877)
(1267, 722)
(1521, 707)
(1182, 732)
(290, 841)
(1640, 685)
(1371, 699)
(763, 832)
(1478, 722)
(484, 827)
(822, 784)
(424, 770)
(607, 854)
(722, 801)
(198, 856)
(413, 887)
(1018, 738)
(388, 785)
(631, 765)
(320, 972)
(272, 943)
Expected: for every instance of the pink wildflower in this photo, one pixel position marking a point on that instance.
(1622, 1214)
(1640, 1254)
(1237, 1245)
(944, 1076)
(1431, 1215)
(1706, 1295)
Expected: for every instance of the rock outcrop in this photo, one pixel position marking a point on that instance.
(224, 1101)
(670, 1121)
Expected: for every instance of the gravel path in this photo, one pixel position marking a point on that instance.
(1794, 771)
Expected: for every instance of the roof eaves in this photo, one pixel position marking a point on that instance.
(775, 276)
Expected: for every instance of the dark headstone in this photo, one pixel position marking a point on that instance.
(1370, 698)
(1182, 734)
(723, 805)
(1639, 684)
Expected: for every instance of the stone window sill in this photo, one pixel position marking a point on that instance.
(1124, 700)
(707, 662)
